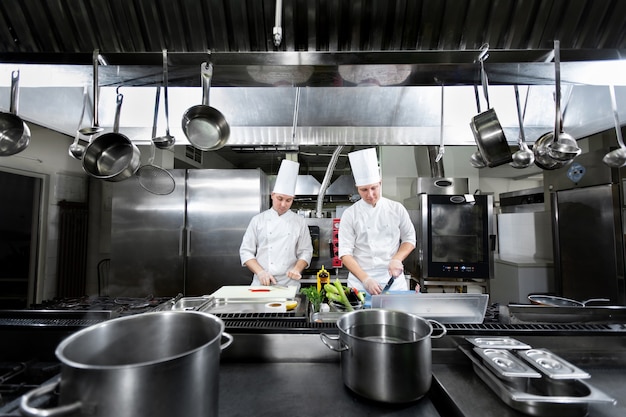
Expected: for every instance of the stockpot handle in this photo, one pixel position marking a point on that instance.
(228, 342)
(441, 326)
(326, 339)
(62, 410)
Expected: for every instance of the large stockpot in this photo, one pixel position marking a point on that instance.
(160, 364)
(385, 354)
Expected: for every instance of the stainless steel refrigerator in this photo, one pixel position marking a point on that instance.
(185, 242)
(587, 206)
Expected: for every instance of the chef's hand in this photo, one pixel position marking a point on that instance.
(395, 268)
(294, 274)
(372, 286)
(266, 278)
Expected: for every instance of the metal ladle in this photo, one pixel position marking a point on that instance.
(94, 128)
(564, 146)
(166, 141)
(77, 149)
(617, 157)
(524, 157)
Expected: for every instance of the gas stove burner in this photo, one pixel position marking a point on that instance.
(135, 303)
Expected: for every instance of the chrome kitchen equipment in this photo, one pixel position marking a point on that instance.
(14, 132)
(152, 178)
(524, 157)
(554, 301)
(95, 127)
(170, 359)
(587, 202)
(486, 127)
(564, 146)
(617, 157)
(166, 141)
(112, 156)
(385, 355)
(187, 241)
(205, 126)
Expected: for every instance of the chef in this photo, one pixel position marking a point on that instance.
(277, 247)
(375, 233)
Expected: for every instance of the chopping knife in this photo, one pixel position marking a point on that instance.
(391, 279)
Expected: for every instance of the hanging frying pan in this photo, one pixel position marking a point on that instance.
(553, 301)
(205, 127)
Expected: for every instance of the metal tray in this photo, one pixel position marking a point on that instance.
(443, 307)
(544, 397)
(504, 364)
(552, 365)
(497, 342)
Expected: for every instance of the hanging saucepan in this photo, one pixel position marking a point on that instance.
(553, 301)
(112, 156)
(14, 132)
(205, 127)
(477, 159)
(486, 128)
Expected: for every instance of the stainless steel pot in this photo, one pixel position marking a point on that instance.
(14, 132)
(205, 127)
(385, 355)
(488, 132)
(160, 364)
(112, 156)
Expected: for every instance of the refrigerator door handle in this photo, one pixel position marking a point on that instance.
(181, 239)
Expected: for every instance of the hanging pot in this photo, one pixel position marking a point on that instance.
(385, 354)
(112, 156)
(486, 128)
(14, 132)
(159, 364)
(205, 127)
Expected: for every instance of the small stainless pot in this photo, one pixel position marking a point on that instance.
(112, 156)
(160, 364)
(490, 138)
(385, 355)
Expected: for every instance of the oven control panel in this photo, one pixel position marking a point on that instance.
(334, 245)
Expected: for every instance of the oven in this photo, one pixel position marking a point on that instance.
(455, 236)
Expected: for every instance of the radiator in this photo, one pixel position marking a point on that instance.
(72, 249)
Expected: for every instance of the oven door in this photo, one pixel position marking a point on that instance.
(456, 236)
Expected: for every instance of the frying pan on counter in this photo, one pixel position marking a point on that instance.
(554, 301)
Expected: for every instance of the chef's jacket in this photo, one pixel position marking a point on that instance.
(372, 235)
(277, 242)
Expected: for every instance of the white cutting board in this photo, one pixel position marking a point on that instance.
(242, 292)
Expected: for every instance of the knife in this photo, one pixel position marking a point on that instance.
(389, 283)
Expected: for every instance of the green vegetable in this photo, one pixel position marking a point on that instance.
(333, 296)
(314, 296)
(330, 288)
(342, 294)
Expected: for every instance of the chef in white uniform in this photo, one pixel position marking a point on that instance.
(375, 233)
(276, 246)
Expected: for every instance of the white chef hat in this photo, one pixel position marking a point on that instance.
(287, 178)
(364, 165)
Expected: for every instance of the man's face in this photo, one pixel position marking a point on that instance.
(370, 193)
(281, 203)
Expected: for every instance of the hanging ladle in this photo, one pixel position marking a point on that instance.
(524, 157)
(563, 146)
(77, 149)
(94, 128)
(617, 157)
(441, 141)
(166, 141)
